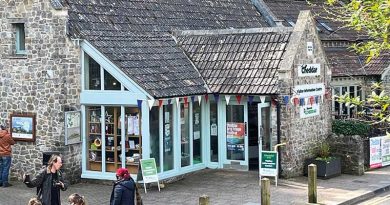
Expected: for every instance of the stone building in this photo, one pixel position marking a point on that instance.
(192, 84)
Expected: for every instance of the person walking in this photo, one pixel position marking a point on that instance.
(49, 182)
(124, 189)
(5, 155)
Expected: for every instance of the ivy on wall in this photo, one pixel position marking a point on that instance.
(350, 127)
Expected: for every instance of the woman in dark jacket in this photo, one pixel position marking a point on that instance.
(123, 192)
(49, 182)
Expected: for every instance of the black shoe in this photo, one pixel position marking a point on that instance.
(7, 185)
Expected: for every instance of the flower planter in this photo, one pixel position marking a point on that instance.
(325, 169)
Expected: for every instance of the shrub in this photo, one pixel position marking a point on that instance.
(350, 127)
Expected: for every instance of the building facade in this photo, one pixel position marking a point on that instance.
(151, 82)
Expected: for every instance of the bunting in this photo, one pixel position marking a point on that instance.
(160, 103)
(206, 97)
(150, 103)
(199, 98)
(250, 99)
(238, 97)
(193, 99)
(262, 99)
(227, 98)
(139, 103)
(216, 97)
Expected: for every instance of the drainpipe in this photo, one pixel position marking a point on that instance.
(278, 131)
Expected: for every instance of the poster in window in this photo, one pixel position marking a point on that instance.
(235, 136)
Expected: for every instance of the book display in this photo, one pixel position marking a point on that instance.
(110, 152)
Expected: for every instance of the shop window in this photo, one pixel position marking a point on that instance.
(185, 137)
(235, 132)
(340, 110)
(20, 39)
(104, 138)
(154, 130)
(197, 133)
(213, 131)
(168, 141)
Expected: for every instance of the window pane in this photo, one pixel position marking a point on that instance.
(93, 74)
(235, 132)
(154, 130)
(214, 131)
(112, 139)
(110, 83)
(133, 142)
(185, 138)
(21, 37)
(168, 137)
(197, 133)
(94, 140)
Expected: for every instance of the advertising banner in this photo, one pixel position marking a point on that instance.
(385, 151)
(309, 110)
(375, 152)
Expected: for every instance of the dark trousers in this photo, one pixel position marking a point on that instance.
(5, 164)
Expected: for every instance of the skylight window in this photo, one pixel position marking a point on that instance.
(326, 26)
(291, 23)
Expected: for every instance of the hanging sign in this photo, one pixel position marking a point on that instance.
(309, 110)
(309, 70)
(149, 171)
(308, 90)
(269, 163)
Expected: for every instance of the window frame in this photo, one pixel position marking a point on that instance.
(20, 28)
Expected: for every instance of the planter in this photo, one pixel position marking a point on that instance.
(325, 170)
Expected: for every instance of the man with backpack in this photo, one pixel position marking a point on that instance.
(5, 155)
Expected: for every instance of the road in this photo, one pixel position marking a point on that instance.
(382, 199)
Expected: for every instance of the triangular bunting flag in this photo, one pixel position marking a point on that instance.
(139, 103)
(285, 100)
(317, 99)
(160, 103)
(322, 99)
(227, 98)
(306, 101)
(302, 101)
(250, 99)
(262, 99)
(311, 100)
(206, 97)
(185, 100)
(238, 97)
(150, 103)
(216, 97)
(177, 101)
(193, 98)
(169, 101)
(199, 98)
(296, 101)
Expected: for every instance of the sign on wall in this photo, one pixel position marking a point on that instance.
(385, 150)
(309, 48)
(72, 127)
(308, 90)
(309, 70)
(309, 110)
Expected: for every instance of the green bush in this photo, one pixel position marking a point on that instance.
(350, 127)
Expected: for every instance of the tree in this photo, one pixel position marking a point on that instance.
(369, 16)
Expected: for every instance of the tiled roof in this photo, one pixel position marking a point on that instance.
(237, 63)
(348, 63)
(134, 35)
(288, 10)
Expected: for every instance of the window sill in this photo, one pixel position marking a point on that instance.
(18, 56)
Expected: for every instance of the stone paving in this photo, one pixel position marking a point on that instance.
(224, 187)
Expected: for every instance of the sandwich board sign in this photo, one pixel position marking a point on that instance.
(149, 172)
(269, 164)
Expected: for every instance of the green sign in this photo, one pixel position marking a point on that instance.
(149, 170)
(269, 163)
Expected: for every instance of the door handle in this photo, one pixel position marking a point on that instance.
(245, 128)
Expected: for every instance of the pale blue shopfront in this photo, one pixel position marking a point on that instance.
(182, 137)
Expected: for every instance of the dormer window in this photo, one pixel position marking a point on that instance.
(20, 40)
(326, 26)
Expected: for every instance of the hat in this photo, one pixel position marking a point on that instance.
(123, 173)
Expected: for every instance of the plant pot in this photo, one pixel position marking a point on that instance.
(325, 169)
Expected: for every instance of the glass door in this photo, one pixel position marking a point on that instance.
(266, 142)
(236, 133)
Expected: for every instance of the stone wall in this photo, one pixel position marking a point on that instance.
(45, 81)
(302, 134)
(351, 151)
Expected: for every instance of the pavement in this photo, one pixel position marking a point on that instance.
(226, 187)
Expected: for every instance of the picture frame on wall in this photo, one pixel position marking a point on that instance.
(72, 127)
(22, 127)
